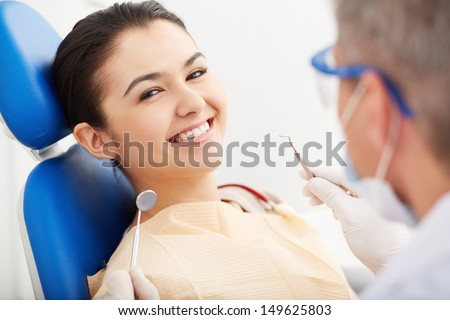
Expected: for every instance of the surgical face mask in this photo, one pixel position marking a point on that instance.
(376, 190)
(382, 198)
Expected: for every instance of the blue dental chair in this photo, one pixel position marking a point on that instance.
(74, 210)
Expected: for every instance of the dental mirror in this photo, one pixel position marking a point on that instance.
(144, 202)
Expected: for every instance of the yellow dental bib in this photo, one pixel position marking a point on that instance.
(214, 250)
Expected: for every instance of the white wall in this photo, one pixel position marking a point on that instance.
(260, 49)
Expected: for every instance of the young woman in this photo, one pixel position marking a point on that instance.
(136, 88)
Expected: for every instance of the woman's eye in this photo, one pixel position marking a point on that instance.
(196, 74)
(149, 93)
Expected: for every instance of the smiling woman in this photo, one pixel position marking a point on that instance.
(132, 75)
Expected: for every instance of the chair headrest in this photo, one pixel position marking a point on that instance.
(28, 103)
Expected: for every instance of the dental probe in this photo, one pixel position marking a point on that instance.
(308, 171)
(145, 201)
(299, 158)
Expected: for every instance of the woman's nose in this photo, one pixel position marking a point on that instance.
(189, 101)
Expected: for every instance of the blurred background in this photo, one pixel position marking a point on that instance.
(260, 50)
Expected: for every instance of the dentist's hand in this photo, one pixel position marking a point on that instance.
(123, 285)
(371, 238)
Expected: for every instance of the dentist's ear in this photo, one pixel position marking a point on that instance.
(379, 108)
(96, 141)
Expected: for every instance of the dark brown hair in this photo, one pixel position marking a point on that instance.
(87, 47)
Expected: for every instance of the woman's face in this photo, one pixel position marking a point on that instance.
(162, 104)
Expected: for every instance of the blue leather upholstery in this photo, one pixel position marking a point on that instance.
(27, 102)
(75, 210)
(75, 213)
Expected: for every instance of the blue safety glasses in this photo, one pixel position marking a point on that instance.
(330, 73)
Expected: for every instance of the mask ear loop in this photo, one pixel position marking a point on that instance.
(389, 147)
(353, 102)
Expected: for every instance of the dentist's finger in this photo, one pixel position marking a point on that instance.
(329, 193)
(119, 286)
(143, 288)
(302, 174)
(332, 174)
(313, 200)
(307, 193)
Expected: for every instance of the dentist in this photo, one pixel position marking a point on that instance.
(393, 65)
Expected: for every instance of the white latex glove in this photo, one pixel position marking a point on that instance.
(371, 238)
(129, 286)
(143, 288)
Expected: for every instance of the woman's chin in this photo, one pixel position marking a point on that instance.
(196, 166)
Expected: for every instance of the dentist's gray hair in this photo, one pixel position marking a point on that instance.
(410, 41)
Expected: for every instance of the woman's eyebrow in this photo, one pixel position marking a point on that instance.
(157, 75)
(150, 76)
(191, 60)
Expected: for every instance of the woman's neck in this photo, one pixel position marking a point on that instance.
(180, 190)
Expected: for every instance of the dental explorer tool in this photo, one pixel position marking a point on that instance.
(145, 201)
(299, 158)
(309, 172)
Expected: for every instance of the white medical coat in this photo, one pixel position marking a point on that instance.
(422, 271)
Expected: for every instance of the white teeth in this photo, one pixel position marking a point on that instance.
(183, 137)
(189, 134)
(193, 133)
(196, 132)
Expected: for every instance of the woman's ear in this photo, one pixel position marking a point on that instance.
(379, 108)
(94, 140)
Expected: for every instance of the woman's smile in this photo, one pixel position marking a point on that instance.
(199, 132)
